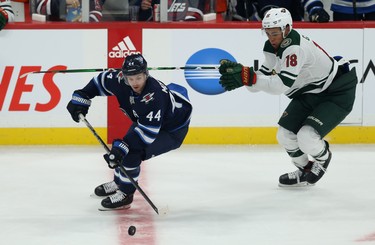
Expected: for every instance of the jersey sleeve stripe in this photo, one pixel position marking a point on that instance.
(288, 74)
(265, 70)
(286, 80)
(95, 16)
(99, 82)
(146, 139)
(152, 130)
(124, 179)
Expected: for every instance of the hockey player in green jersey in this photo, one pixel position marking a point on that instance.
(321, 89)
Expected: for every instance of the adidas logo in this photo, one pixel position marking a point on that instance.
(123, 49)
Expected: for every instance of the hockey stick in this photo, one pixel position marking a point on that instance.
(122, 169)
(162, 68)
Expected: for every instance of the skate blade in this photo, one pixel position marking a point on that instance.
(114, 209)
(299, 185)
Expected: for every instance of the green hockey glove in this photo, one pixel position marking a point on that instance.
(235, 75)
(226, 65)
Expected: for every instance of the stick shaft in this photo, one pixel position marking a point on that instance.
(161, 68)
(94, 133)
(184, 68)
(122, 169)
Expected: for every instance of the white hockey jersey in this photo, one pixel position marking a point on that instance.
(299, 66)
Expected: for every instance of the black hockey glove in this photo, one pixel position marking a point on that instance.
(79, 104)
(117, 154)
(235, 75)
(318, 14)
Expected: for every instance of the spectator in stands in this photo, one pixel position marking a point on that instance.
(183, 10)
(146, 9)
(247, 10)
(52, 9)
(353, 10)
(116, 10)
(6, 13)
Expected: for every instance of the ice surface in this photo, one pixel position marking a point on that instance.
(214, 195)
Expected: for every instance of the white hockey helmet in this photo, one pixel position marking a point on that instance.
(277, 17)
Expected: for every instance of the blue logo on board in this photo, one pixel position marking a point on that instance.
(206, 81)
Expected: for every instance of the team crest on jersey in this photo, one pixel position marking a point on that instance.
(286, 42)
(147, 98)
(284, 114)
(120, 77)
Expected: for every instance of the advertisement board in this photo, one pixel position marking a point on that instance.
(39, 100)
(33, 107)
(368, 77)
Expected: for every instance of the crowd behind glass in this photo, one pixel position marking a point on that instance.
(319, 11)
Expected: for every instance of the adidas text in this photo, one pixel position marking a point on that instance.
(121, 53)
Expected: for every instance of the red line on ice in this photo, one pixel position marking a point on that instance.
(367, 238)
(139, 215)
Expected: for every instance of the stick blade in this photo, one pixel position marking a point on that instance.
(163, 211)
(26, 74)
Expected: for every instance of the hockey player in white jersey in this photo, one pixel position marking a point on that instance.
(321, 89)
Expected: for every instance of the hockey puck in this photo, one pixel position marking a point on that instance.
(132, 230)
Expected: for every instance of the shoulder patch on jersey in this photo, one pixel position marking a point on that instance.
(148, 97)
(285, 43)
(295, 36)
(292, 39)
(120, 77)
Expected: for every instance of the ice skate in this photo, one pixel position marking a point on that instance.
(296, 178)
(319, 167)
(106, 189)
(117, 201)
